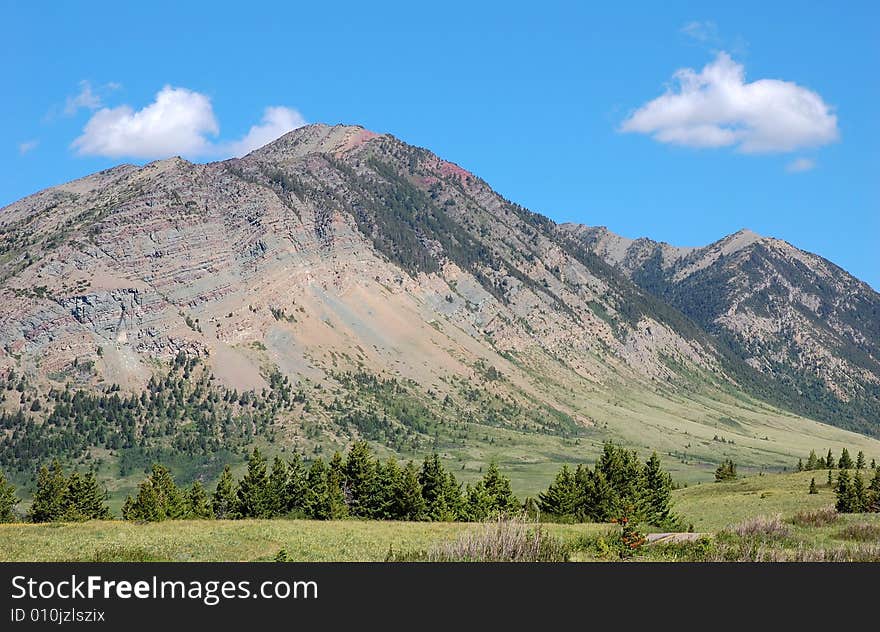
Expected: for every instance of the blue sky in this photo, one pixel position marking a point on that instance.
(574, 111)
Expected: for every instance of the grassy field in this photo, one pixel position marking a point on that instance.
(713, 508)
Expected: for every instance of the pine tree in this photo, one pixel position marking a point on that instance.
(145, 506)
(800, 465)
(874, 493)
(224, 499)
(561, 496)
(844, 490)
(8, 500)
(873, 464)
(440, 490)
(385, 504)
(337, 505)
(829, 460)
(497, 486)
(198, 505)
(172, 501)
(657, 500)
(859, 494)
(860, 460)
(85, 498)
(830, 478)
(812, 461)
(360, 479)
(410, 502)
(252, 496)
(726, 471)
(296, 485)
(48, 503)
(813, 489)
(277, 489)
(315, 504)
(845, 462)
(478, 503)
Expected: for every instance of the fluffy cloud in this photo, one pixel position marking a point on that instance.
(717, 108)
(277, 121)
(177, 122)
(800, 165)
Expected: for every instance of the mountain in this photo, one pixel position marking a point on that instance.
(338, 283)
(811, 329)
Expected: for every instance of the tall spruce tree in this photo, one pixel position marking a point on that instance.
(830, 463)
(296, 485)
(172, 500)
(440, 489)
(860, 461)
(337, 500)
(410, 502)
(812, 461)
(8, 500)
(360, 479)
(478, 503)
(276, 497)
(144, 506)
(252, 496)
(198, 504)
(497, 486)
(813, 488)
(844, 489)
(85, 498)
(657, 498)
(48, 502)
(845, 462)
(224, 499)
(316, 504)
(385, 506)
(561, 497)
(859, 494)
(874, 493)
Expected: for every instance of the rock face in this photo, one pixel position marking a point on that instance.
(335, 249)
(811, 329)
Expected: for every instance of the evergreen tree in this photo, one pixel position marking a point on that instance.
(830, 479)
(198, 505)
(859, 494)
(224, 499)
(441, 491)
(252, 496)
(497, 486)
(385, 504)
(874, 493)
(726, 471)
(85, 498)
(844, 490)
(337, 504)
(561, 497)
(812, 461)
(800, 465)
(145, 506)
(860, 460)
(48, 503)
(360, 479)
(8, 500)
(657, 499)
(276, 499)
(296, 485)
(172, 501)
(478, 503)
(845, 462)
(324, 500)
(410, 502)
(829, 460)
(873, 464)
(813, 489)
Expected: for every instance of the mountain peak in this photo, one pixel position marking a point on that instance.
(316, 138)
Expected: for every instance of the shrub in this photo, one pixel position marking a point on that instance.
(816, 518)
(861, 532)
(761, 527)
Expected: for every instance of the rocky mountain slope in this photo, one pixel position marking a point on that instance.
(810, 328)
(337, 283)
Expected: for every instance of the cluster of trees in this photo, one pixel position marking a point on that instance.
(619, 486)
(726, 471)
(828, 462)
(184, 412)
(8, 500)
(358, 485)
(853, 496)
(72, 498)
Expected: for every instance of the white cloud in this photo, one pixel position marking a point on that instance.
(27, 146)
(277, 121)
(84, 99)
(177, 122)
(800, 165)
(717, 108)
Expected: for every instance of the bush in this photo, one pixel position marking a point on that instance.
(761, 527)
(860, 532)
(816, 518)
(503, 540)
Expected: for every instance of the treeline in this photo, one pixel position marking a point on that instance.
(619, 487)
(358, 485)
(59, 497)
(828, 462)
